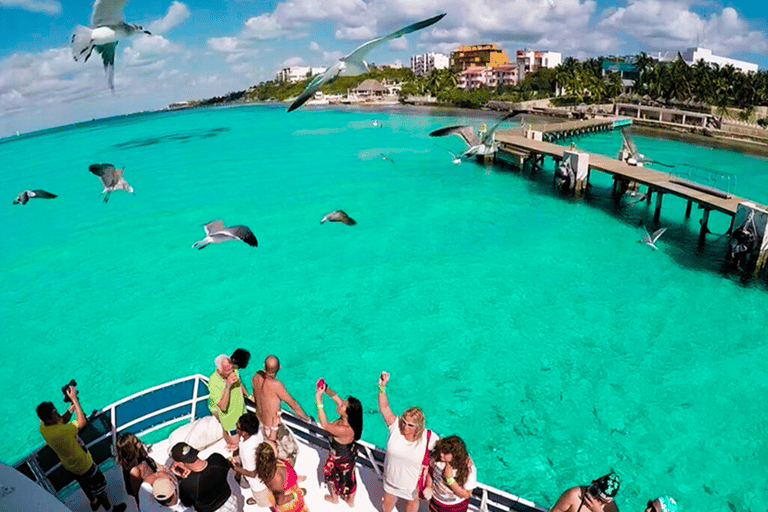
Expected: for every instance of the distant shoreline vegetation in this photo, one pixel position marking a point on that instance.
(730, 92)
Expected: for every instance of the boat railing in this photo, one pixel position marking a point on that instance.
(180, 400)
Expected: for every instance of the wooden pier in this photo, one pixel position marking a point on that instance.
(565, 129)
(521, 150)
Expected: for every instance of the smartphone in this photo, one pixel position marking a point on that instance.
(320, 383)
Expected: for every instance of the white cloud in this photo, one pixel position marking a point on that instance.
(176, 15)
(42, 6)
(225, 44)
(292, 61)
(314, 46)
(673, 26)
(362, 33)
(264, 26)
(400, 44)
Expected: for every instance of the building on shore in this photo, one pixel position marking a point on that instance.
(422, 64)
(626, 70)
(488, 55)
(529, 61)
(693, 55)
(478, 76)
(297, 73)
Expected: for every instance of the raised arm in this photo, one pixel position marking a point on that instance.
(81, 419)
(384, 409)
(332, 428)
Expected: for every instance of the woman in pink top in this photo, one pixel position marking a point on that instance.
(407, 443)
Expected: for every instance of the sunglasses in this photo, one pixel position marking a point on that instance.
(650, 505)
(406, 424)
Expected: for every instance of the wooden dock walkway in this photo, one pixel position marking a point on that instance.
(525, 149)
(554, 131)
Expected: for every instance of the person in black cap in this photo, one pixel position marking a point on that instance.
(203, 482)
(596, 497)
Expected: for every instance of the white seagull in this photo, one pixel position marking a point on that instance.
(216, 232)
(353, 64)
(29, 194)
(456, 158)
(650, 240)
(477, 144)
(111, 178)
(107, 27)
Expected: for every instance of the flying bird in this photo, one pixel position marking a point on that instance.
(477, 144)
(216, 232)
(29, 194)
(353, 64)
(339, 216)
(456, 158)
(107, 28)
(386, 157)
(629, 153)
(111, 178)
(650, 240)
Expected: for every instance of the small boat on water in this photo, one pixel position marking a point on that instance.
(180, 408)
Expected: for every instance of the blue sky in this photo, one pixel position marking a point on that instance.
(200, 49)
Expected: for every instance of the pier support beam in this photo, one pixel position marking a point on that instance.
(704, 230)
(688, 209)
(535, 135)
(657, 213)
(748, 246)
(580, 165)
(648, 195)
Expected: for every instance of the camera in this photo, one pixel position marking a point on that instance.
(64, 389)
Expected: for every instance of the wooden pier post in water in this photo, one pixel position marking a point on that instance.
(751, 235)
(580, 165)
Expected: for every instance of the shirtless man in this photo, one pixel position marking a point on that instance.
(269, 393)
(597, 497)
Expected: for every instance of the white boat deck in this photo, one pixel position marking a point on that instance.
(308, 463)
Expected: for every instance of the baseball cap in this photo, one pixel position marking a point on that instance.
(182, 452)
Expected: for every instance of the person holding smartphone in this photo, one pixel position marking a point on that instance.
(226, 399)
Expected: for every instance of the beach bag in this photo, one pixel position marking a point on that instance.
(422, 483)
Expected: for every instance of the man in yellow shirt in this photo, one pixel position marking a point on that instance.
(226, 398)
(62, 437)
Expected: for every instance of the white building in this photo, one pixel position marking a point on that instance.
(529, 61)
(297, 73)
(423, 63)
(693, 55)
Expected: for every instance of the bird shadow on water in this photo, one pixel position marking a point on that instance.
(681, 242)
(188, 136)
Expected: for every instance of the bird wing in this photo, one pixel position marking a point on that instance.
(243, 233)
(107, 52)
(646, 235)
(357, 56)
(315, 84)
(22, 198)
(41, 193)
(101, 169)
(107, 12)
(629, 144)
(488, 137)
(466, 132)
(346, 219)
(656, 234)
(214, 227)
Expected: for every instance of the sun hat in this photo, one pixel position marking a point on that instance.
(182, 452)
(163, 488)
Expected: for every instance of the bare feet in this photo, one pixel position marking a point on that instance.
(350, 502)
(301, 478)
(332, 499)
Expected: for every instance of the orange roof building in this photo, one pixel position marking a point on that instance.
(491, 55)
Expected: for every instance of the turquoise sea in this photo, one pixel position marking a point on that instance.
(533, 326)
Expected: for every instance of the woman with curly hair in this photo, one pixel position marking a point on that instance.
(132, 456)
(339, 467)
(453, 476)
(280, 478)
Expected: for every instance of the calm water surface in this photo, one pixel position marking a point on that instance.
(533, 326)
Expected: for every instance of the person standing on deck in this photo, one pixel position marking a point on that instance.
(226, 399)
(62, 437)
(269, 393)
(597, 497)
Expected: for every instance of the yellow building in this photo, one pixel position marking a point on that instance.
(464, 57)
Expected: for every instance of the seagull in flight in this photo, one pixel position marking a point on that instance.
(339, 216)
(216, 232)
(386, 157)
(456, 158)
(650, 240)
(353, 64)
(111, 178)
(107, 28)
(29, 194)
(477, 144)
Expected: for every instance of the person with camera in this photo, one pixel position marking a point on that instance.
(596, 497)
(62, 437)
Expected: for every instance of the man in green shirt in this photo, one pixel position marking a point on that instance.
(62, 437)
(226, 398)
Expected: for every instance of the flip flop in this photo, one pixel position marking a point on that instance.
(250, 501)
